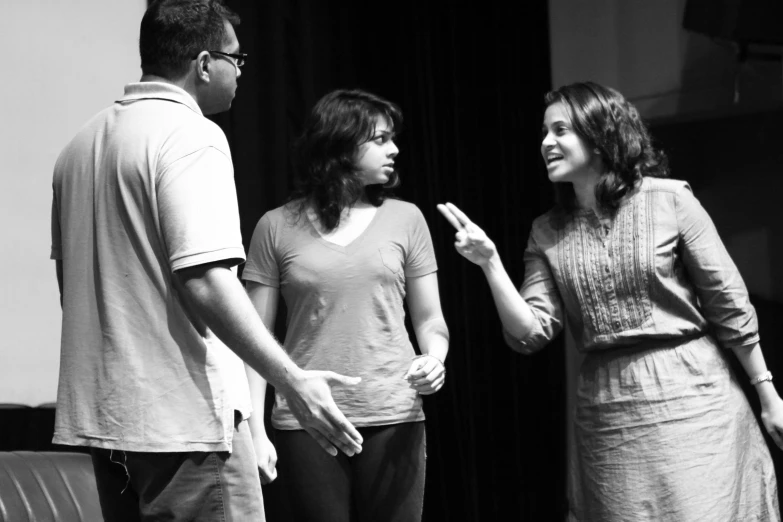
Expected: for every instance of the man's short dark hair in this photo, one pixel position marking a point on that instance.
(173, 32)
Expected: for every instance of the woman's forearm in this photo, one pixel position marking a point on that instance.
(433, 338)
(257, 385)
(515, 314)
(426, 315)
(752, 360)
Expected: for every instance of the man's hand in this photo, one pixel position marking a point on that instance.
(219, 301)
(311, 402)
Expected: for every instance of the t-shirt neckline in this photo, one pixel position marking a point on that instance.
(351, 247)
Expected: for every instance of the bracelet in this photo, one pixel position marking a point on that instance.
(766, 376)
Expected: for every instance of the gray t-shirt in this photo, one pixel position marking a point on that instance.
(345, 305)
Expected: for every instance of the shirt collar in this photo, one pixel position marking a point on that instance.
(159, 91)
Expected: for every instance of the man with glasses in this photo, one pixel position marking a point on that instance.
(145, 234)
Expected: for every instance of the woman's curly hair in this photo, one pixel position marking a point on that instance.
(612, 127)
(325, 154)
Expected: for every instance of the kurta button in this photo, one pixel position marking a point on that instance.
(607, 269)
(617, 324)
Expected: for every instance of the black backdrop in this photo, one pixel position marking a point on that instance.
(470, 82)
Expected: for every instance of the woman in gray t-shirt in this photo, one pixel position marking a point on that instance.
(344, 256)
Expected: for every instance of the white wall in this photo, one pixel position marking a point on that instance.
(63, 60)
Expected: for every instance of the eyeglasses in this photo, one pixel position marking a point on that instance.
(238, 58)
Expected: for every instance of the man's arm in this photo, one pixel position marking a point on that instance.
(216, 295)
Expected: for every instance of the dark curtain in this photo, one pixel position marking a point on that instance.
(470, 82)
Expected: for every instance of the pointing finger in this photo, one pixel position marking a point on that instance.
(463, 219)
(451, 218)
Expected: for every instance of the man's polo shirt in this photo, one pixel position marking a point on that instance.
(146, 188)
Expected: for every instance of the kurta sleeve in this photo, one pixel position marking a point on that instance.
(540, 292)
(723, 297)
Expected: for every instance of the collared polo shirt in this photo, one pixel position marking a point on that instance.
(146, 188)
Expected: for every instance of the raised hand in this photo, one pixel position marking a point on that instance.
(470, 241)
(311, 402)
(426, 374)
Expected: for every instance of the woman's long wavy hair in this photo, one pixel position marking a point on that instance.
(325, 154)
(612, 127)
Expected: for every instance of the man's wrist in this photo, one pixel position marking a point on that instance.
(291, 377)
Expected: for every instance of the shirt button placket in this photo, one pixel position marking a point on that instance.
(615, 311)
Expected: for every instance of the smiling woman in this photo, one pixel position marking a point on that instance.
(604, 145)
(568, 158)
(653, 300)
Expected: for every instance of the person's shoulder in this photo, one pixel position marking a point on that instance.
(552, 218)
(92, 127)
(200, 131)
(403, 213)
(287, 216)
(673, 186)
(279, 214)
(84, 140)
(401, 206)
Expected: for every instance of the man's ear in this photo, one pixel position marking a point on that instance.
(202, 66)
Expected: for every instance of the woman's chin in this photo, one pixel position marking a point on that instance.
(377, 180)
(560, 177)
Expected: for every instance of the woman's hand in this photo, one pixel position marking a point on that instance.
(772, 417)
(266, 456)
(471, 242)
(426, 374)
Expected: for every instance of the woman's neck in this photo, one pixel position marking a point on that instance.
(361, 205)
(585, 197)
(585, 193)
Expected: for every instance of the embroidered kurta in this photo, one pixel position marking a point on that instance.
(663, 431)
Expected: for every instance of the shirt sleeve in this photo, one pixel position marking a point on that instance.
(197, 206)
(420, 258)
(56, 252)
(262, 266)
(541, 294)
(723, 297)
